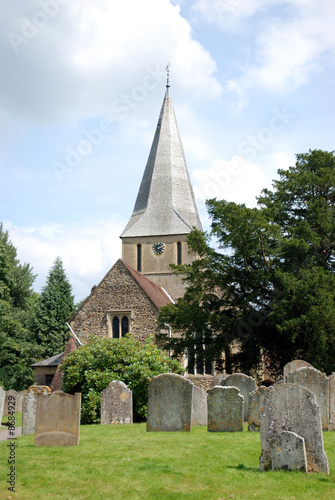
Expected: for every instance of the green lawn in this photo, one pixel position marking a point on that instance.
(125, 462)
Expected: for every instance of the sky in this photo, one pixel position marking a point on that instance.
(81, 87)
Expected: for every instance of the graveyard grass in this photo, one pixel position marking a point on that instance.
(126, 462)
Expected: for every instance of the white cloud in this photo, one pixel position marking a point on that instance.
(235, 180)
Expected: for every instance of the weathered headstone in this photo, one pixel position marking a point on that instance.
(169, 403)
(288, 452)
(225, 409)
(295, 365)
(58, 419)
(19, 401)
(199, 406)
(332, 402)
(218, 380)
(256, 399)
(116, 404)
(245, 384)
(292, 407)
(2, 402)
(29, 404)
(10, 402)
(318, 383)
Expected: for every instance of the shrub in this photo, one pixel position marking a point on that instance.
(93, 366)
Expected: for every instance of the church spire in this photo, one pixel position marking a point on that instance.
(165, 203)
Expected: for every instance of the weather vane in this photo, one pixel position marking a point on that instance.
(167, 69)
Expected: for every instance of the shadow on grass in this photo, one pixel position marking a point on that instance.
(244, 468)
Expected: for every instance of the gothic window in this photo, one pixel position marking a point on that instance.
(178, 253)
(139, 257)
(118, 323)
(199, 359)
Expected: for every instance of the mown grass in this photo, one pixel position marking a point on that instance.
(125, 462)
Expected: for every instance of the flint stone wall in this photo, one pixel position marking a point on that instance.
(199, 406)
(292, 407)
(225, 409)
(318, 383)
(256, 400)
(58, 419)
(245, 384)
(11, 397)
(2, 403)
(116, 404)
(169, 403)
(29, 404)
(288, 452)
(294, 365)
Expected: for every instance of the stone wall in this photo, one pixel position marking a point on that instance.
(203, 381)
(118, 291)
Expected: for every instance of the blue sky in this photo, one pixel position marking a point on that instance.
(252, 83)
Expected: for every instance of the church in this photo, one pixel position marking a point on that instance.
(130, 295)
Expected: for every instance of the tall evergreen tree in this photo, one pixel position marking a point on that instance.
(269, 290)
(53, 309)
(17, 347)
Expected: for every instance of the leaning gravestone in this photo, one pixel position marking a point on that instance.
(288, 452)
(292, 407)
(245, 384)
(29, 404)
(10, 402)
(19, 400)
(2, 402)
(318, 383)
(218, 380)
(57, 419)
(256, 399)
(295, 365)
(225, 409)
(199, 406)
(169, 403)
(332, 402)
(116, 404)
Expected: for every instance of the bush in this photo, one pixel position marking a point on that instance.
(93, 366)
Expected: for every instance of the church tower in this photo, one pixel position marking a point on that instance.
(165, 211)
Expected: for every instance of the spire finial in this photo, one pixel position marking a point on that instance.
(167, 69)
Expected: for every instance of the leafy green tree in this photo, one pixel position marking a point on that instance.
(17, 347)
(268, 289)
(53, 309)
(93, 366)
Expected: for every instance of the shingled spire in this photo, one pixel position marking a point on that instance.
(165, 203)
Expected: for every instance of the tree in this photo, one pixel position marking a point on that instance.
(269, 287)
(17, 298)
(53, 309)
(93, 366)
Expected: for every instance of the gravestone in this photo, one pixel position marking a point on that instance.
(199, 406)
(169, 403)
(2, 402)
(295, 365)
(19, 400)
(332, 402)
(10, 402)
(292, 407)
(288, 452)
(218, 380)
(29, 404)
(57, 419)
(116, 404)
(225, 409)
(256, 399)
(245, 384)
(318, 383)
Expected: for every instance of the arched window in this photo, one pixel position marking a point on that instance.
(199, 360)
(124, 326)
(139, 257)
(178, 253)
(116, 327)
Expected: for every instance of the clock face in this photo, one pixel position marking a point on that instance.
(158, 248)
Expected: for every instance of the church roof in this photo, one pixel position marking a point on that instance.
(165, 202)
